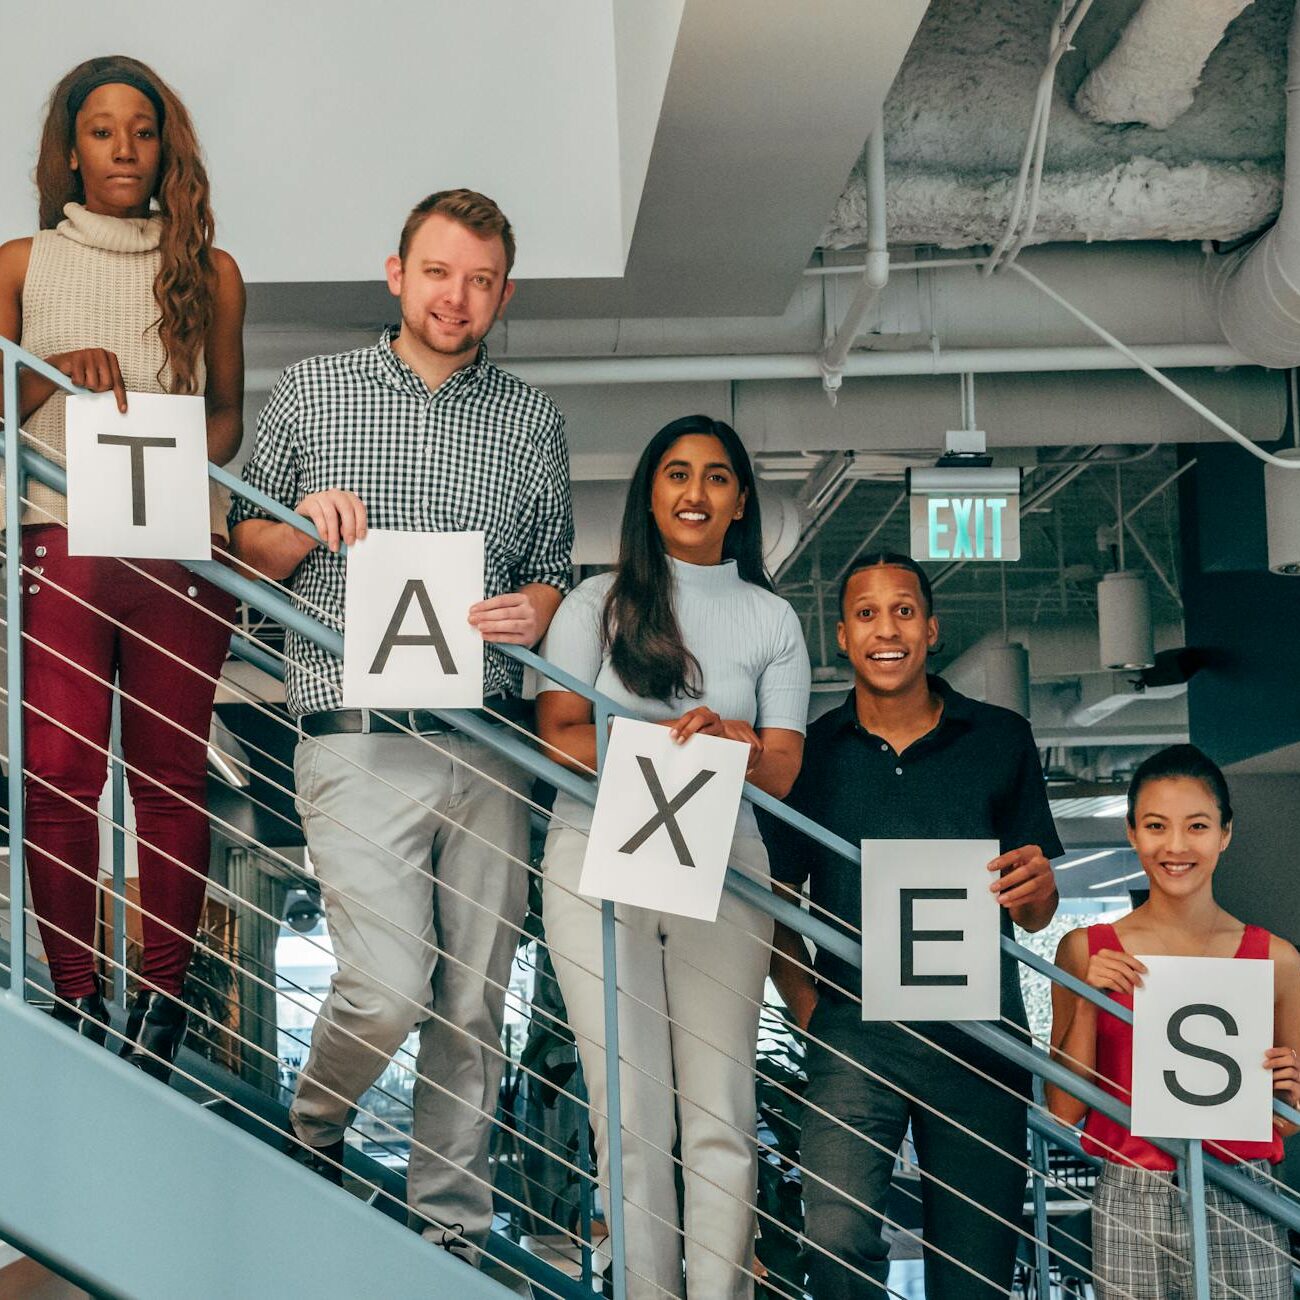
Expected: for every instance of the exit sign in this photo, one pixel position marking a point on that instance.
(965, 514)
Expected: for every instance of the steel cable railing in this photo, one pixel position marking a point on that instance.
(742, 889)
(852, 929)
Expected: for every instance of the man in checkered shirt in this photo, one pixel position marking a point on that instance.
(420, 841)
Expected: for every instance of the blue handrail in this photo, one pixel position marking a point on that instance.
(264, 597)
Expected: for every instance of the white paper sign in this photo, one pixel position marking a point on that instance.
(138, 483)
(664, 820)
(407, 642)
(1201, 1026)
(930, 931)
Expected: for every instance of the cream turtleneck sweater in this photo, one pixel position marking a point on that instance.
(90, 284)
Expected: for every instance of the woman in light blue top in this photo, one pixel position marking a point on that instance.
(687, 632)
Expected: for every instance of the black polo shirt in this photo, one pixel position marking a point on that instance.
(976, 775)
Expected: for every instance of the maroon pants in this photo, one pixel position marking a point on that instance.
(67, 768)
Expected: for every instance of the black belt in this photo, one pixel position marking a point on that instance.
(424, 722)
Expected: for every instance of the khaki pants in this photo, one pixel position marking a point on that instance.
(412, 899)
(703, 984)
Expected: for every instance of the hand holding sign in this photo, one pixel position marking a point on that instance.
(138, 480)
(407, 643)
(664, 820)
(1201, 1029)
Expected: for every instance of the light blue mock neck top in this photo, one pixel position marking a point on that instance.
(748, 642)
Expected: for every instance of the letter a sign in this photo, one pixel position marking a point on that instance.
(930, 931)
(407, 642)
(1201, 1026)
(138, 483)
(665, 816)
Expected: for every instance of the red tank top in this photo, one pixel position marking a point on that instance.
(1103, 1136)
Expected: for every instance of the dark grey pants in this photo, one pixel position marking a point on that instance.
(850, 1162)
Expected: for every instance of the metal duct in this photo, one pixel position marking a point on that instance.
(1257, 290)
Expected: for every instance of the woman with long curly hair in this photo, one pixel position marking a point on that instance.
(686, 632)
(122, 290)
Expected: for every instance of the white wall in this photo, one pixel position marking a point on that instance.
(324, 122)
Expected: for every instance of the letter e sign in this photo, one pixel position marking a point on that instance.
(1201, 1026)
(407, 642)
(930, 931)
(664, 820)
(138, 483)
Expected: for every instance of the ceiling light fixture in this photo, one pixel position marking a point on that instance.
(1125, 638)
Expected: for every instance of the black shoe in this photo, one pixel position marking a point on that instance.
(155, 1029)
(456, 1244)
(327, 1161)
(86, 1016)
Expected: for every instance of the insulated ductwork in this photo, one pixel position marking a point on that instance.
(1059, 653)
(1153, 71)
(1258, 289)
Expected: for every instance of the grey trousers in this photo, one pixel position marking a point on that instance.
(688, 1021)
(413, 898)
(853, 1124)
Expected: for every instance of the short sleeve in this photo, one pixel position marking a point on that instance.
(1026, 816)
(573, 641)
(273, 466)
(784, 684)
(549, 555)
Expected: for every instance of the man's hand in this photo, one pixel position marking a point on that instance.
(1025, 886)
(339, 516)
(512, 619)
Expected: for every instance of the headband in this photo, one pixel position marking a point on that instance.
(80, 92)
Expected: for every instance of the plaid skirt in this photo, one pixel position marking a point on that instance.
(1142, 1240)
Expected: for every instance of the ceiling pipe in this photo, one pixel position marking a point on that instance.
(1151, 74)
(875, 273)
(1257, 290)
(561, 371)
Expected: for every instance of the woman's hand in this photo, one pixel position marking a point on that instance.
(705, 722)
(1286, 1073)
(1113, 971)
(93, 368)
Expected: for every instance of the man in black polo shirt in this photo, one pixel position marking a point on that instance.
(907, 757)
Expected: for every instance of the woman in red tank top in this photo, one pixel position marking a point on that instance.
(1179, 822)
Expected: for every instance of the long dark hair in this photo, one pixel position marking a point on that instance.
(185, 286)
(640, 624)
(1181, 761)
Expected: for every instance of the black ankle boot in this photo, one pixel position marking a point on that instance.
(87, 1016)
(327, 1161)
(155, 1028)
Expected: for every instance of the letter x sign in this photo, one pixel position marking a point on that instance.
(138, 483)
(664, 820)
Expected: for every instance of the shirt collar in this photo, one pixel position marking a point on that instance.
(399, 375)
(958, 710)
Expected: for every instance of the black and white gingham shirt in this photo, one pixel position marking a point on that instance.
(485, 451)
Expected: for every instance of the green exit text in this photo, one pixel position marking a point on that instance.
(965, 528)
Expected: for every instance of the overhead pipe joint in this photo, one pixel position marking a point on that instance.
(875, 272)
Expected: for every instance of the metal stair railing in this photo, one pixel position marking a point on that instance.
(523, 753)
